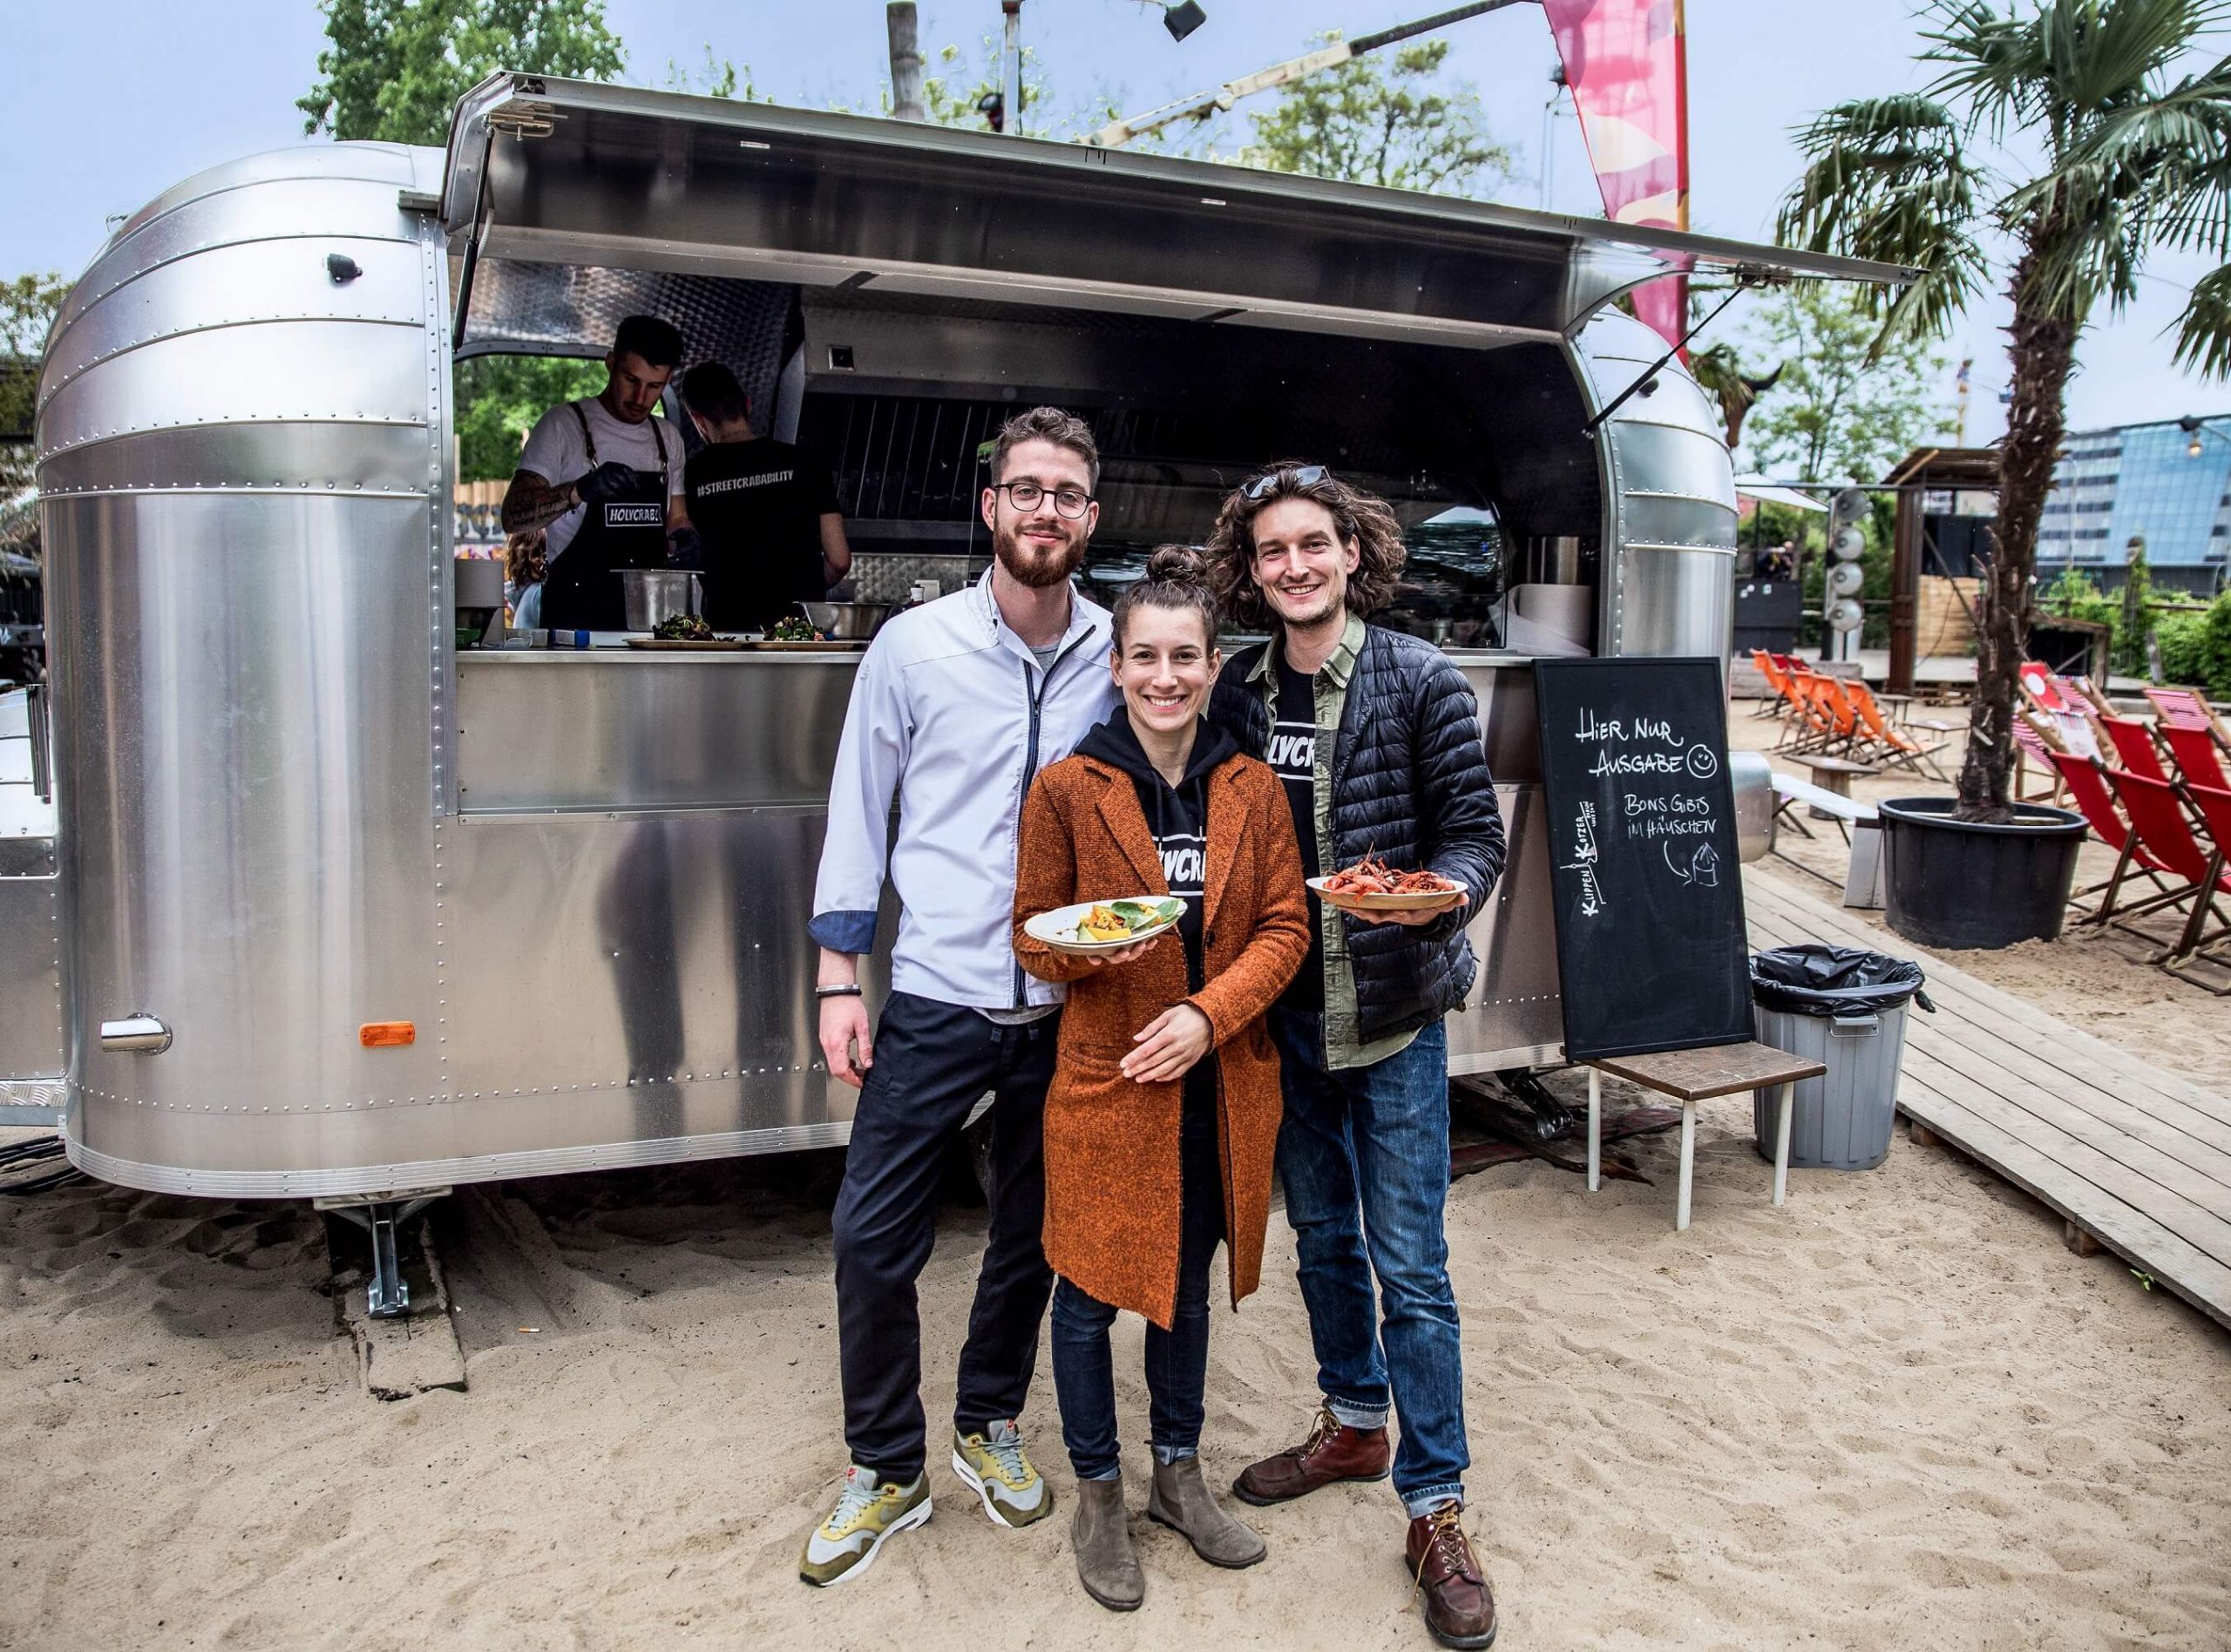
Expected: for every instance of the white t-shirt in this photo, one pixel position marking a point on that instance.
(555, 452)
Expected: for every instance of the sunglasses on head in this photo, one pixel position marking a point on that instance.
(1301, 476)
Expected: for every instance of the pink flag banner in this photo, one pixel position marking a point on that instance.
(1626, 62)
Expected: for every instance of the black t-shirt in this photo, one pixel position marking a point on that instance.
(757, 507)
(1292, 758)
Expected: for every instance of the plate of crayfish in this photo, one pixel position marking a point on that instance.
(1371, 885)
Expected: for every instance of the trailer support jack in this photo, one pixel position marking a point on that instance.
(388, 1296)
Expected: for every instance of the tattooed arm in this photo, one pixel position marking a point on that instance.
(532, 503)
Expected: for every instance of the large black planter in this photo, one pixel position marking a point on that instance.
(1947, 882)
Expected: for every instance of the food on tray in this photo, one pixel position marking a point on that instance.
(1372, 876)
(1108, 922)
(684, 627)
(791, 628)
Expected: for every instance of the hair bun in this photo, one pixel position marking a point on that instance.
(1178, 564)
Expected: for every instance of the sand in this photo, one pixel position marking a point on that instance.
(1895, 1413)
(1898, 1412)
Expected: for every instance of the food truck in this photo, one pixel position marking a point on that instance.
(332, 903)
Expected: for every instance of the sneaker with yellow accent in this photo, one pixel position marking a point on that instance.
(845, 1544)
(997, 1470)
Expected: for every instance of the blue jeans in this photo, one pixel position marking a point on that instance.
(1363, 1155)
(1176, 1360)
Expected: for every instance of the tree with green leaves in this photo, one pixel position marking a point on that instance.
(393, 69)
(2063, 127)
(28, 307)
(1402, 125)
(1840, 411)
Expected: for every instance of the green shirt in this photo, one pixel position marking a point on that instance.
(1343, 1047)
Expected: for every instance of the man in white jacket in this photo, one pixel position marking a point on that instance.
(957, 704)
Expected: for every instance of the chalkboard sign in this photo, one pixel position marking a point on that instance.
(1646, 876)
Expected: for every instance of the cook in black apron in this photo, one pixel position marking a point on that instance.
(582, 592)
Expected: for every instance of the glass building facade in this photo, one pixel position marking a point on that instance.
(2142, 479)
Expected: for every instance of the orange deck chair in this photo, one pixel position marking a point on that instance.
(1890, 746)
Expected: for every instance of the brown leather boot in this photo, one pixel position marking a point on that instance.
(1333, 1451)
(1460, 1608)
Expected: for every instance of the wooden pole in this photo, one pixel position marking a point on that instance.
(906, 62)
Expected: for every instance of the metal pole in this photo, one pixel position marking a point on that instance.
(906, 62)
(1010, 66)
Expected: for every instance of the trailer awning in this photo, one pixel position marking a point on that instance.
(581, 175)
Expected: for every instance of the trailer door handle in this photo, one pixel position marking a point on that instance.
(42, 764)
(138, 1033)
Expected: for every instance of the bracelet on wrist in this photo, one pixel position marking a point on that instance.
(851, 990)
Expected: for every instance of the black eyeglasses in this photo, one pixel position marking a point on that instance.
(1027, 496)
(1302, 476)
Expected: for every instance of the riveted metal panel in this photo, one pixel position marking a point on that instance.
(317, 372)
(1665, 585)
(625, 961)
(227, 287)
(238, 204)
(552, 729)
(241, 743)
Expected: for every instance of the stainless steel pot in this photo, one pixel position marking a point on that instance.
(846, 621)
(656, 595)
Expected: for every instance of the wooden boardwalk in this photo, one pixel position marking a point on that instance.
(2137, 1158)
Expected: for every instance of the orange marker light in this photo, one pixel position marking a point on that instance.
(387, 1035)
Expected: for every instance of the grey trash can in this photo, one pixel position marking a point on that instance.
(1846, 1008)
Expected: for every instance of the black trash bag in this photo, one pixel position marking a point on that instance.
(1835, 981)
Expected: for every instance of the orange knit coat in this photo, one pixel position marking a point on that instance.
(1113, 1181)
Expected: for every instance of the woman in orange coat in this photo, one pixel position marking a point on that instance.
(1163, 1116)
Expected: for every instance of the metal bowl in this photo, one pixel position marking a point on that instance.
(846, 621)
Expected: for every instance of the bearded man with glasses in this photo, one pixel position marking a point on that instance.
(1376, 737)
(957, 704)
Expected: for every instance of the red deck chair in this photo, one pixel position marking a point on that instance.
(2201, 944)
(2134, 747)
(2160, 831)
(2193, 751)
(2037, 687)
(2087, 785)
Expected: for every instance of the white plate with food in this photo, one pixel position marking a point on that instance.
(1090, 927)
(1371, 885)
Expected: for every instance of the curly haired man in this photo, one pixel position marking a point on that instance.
(1376, 737)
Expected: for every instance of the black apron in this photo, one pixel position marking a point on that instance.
(582, 591)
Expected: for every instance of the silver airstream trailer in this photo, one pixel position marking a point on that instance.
(334, 908)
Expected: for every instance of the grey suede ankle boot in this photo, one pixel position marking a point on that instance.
(1181, 1501)
(1107, 1564)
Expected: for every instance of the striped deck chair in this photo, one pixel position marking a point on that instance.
(2036, 742)
(2188, 709)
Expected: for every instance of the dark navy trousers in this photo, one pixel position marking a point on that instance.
(932, 1062)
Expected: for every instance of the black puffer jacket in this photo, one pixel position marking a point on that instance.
(1410, 784)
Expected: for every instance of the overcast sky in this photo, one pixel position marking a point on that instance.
(108, 102)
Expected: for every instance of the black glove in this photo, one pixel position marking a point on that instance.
(607, 482)
(684, 548)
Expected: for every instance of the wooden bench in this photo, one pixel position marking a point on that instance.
(1690, 1076)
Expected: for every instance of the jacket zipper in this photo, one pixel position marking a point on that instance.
(1037, 699)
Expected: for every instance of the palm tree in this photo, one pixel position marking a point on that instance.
(2062, 126)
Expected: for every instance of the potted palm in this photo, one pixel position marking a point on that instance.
(2059, 144)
